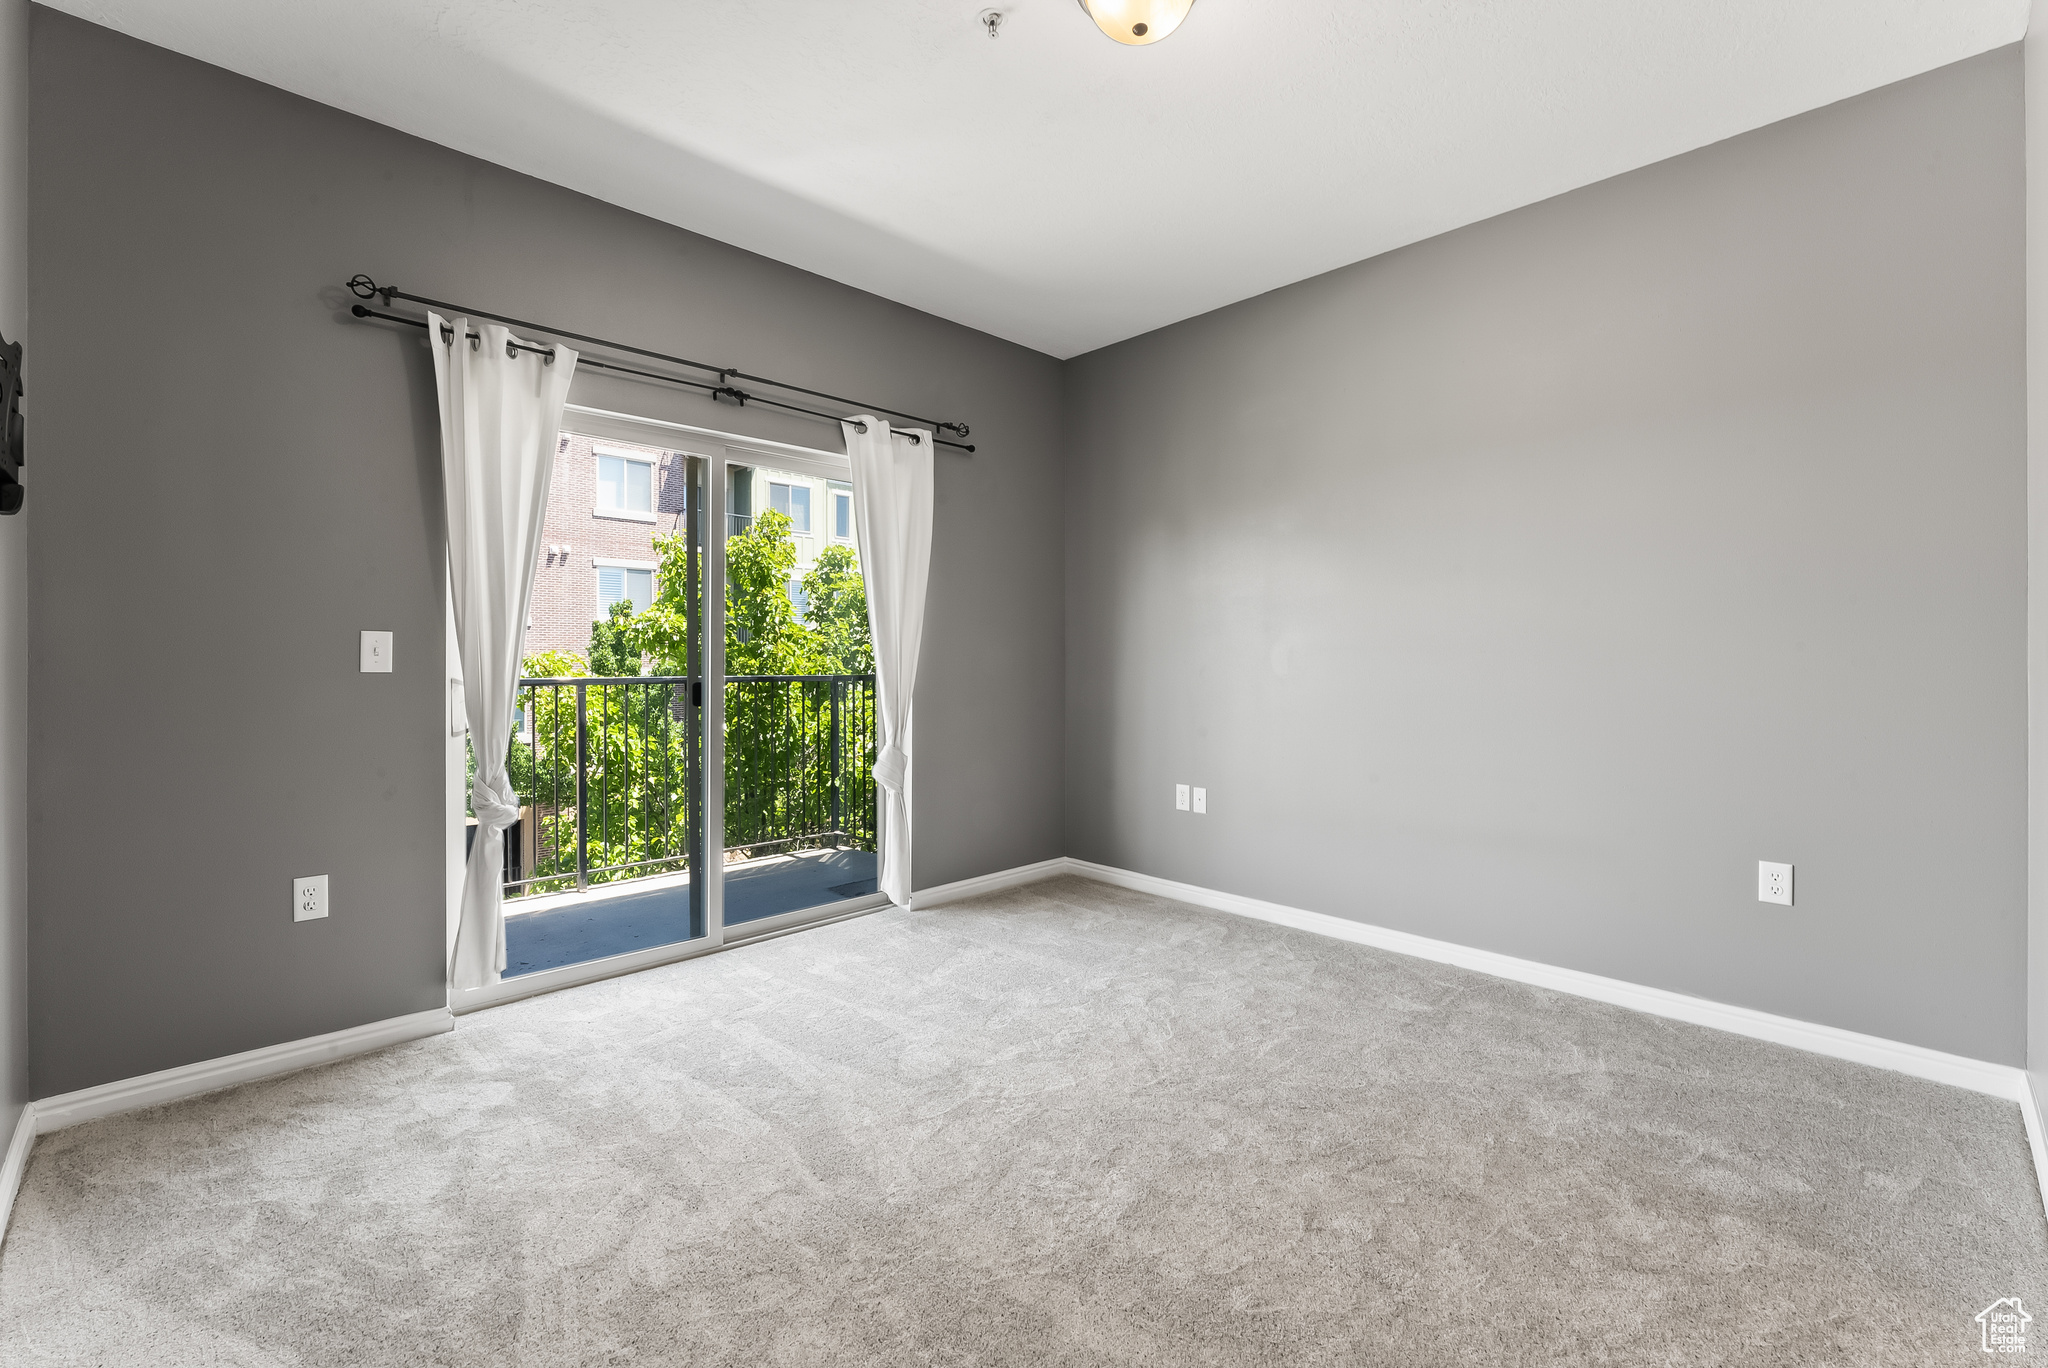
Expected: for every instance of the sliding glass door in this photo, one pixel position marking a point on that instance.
(799, 692)
(695, 741)
(608, 753)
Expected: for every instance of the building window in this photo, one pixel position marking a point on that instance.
(624, 583)
(739, 500)
(842, 514)
(625, 487)
(793, 500)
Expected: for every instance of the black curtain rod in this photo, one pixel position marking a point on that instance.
(726, 392)
(364, 288)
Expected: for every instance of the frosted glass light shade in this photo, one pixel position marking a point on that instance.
(1137, 22)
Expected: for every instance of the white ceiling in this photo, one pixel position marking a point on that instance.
(1051, 186)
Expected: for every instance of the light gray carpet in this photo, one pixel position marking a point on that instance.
(1062, 1125)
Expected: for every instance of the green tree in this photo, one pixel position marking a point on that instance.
(553, 665)
(763, 634)
(836, 605)
(783, 769)
(660, 633)
(614, 645)
(541, 769)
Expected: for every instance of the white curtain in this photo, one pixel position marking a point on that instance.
(892, 506)
(501, 416)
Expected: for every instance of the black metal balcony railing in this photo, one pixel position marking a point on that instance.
(607, 771)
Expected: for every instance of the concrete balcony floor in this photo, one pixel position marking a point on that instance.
(613, 919)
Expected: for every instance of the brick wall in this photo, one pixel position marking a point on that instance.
(565, 582)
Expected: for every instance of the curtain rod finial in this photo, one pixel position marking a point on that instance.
(363, 288)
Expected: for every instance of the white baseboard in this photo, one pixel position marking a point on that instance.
(190, 1080)
(990, 883)
(1999, 1080)
(2037, 1136)
(15, 1164)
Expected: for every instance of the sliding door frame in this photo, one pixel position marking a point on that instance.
(718, 451)
(801, 461)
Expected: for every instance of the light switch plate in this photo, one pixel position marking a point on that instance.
(309, 898)
(1201, 800)
(376, 653)
(1774, 883)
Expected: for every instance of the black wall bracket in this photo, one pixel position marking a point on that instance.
(13, 448)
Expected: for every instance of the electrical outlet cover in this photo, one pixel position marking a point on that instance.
(1180, 797)
(1774, 883)
(309, 898)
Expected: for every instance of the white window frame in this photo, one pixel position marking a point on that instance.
(653, 464)
(810, 504)
(607, 563)
(834, 492)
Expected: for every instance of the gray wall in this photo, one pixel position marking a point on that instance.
(234, 482)
(1525, 587)
(14, 1085)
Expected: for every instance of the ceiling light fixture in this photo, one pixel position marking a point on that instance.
(1137, 22)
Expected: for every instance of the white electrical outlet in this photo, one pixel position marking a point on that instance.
(309, 898)
(1773, 883)
(1201, 800)
(376, 653)
(1180, 796)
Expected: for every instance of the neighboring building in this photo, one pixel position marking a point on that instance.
(608, 503)
(820, 512)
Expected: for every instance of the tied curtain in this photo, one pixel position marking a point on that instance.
(501, 417)
(892, 505)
